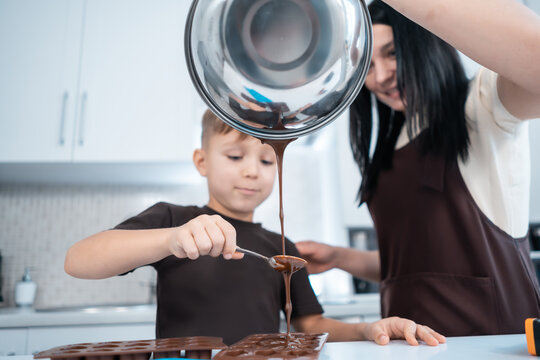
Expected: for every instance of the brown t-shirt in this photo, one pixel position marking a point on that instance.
(216, 297)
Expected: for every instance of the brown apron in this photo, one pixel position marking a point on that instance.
(443, 262)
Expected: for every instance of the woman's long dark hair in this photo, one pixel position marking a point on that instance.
(432, 84)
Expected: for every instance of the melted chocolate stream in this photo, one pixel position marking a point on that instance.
(279, 148)
(290, 265)
(289, 262)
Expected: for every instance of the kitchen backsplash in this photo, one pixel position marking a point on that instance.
(40, 222)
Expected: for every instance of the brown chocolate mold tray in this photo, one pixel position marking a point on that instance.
(196, 347)
(275, 347)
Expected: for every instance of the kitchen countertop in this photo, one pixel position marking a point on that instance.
(357, 305)
(507, 347)
(17, 318)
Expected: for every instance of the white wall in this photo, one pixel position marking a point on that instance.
(533, 4)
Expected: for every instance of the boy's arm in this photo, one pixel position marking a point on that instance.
(379, 331)
(114, 252)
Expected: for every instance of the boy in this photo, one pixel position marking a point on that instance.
(200, 295)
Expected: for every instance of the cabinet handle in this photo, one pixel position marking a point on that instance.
(81, 119)
(62, 137)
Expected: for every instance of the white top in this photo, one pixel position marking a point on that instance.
(497, 171)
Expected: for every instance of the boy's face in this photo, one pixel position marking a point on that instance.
(240, 173)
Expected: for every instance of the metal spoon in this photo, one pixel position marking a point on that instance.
(271, 261)
(283, 262)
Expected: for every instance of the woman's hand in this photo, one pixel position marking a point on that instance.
(204, 235)
(397, 328)
(320, 257)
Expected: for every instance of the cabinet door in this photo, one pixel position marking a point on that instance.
(40, 47)
(43, 338)
(12, 342)
(136, 94)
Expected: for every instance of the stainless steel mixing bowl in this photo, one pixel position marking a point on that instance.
(278, 69)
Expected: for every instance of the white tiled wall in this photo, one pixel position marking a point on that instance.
(40, 222)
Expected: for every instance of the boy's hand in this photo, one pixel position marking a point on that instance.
(397, 328)
(204, 235)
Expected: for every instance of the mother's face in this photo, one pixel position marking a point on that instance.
(382, 76)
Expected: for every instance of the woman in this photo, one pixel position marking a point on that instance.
(447, 183)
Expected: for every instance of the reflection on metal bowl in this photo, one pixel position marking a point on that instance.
(278, 69)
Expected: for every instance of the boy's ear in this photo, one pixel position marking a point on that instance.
(199, 160)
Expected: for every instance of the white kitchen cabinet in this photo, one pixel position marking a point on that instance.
(136, 95)
(12, 342)
(40, 47)
(43, 338)
(94, 81)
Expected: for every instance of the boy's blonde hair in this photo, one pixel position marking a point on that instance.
(212, 125)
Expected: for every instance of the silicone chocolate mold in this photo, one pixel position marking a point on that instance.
(197, 347)
(275, 347)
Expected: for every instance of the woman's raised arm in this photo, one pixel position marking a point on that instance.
(502, 35)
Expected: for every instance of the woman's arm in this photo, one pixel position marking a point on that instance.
(322, 257)
(362, 264)
(502, 35)
(337, 330)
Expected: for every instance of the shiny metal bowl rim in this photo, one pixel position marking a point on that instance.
(269, 133)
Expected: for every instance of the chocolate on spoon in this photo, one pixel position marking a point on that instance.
(288, 263)
(281, 263)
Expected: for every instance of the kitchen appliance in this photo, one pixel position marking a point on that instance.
(534, 236)
(365, 239)
(534, 242)
(278, 69)
(1, 297)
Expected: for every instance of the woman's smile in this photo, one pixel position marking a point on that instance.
(392, 93)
